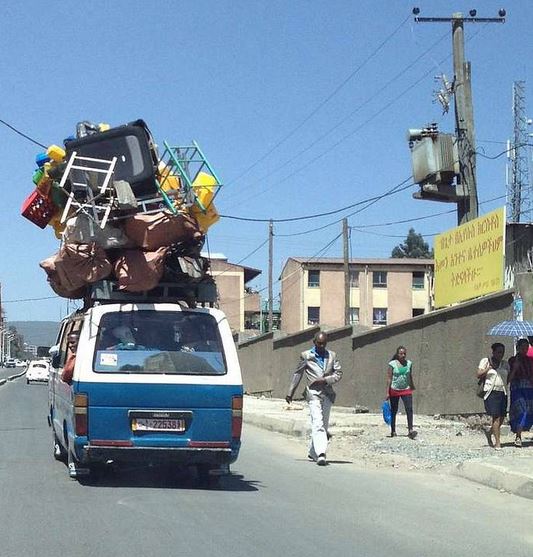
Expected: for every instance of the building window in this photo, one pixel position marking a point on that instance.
(354, 279)
(354, 316)
(379, 316)
(418, 311)
(313, 279)
(313, 315)
(418, 280)
(379, 279)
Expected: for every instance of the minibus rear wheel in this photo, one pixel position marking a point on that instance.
(205, 479)
(58, 449)
(75, 468)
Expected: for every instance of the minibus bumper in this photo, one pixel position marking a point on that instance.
(174, 455)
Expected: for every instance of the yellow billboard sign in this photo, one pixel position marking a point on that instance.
(469, 259)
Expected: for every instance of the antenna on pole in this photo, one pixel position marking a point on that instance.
(519, 195)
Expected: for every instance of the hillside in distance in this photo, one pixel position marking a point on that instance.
(40, 333)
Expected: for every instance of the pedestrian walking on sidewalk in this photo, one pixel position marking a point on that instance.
(322, 369)
(521, 389)
(400, 384)
(493, 371)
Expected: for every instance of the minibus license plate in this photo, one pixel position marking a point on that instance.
(157, 424)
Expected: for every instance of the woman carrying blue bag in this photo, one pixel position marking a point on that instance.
(400, 385)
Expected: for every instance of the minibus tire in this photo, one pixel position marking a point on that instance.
(75, 468)
(58, 449)
(205, 479)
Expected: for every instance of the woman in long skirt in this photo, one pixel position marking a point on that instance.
(521, 388)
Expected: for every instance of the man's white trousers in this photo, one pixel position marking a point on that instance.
(319, 410)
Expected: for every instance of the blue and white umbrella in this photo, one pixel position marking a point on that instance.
(512, 329)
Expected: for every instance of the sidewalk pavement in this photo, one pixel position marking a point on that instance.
(442, 445)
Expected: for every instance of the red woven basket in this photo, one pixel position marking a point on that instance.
(38, 209)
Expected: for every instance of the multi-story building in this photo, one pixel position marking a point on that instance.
(235, 299)
(382, 291)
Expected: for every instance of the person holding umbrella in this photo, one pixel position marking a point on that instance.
(521, 388)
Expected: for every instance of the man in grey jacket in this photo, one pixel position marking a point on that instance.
(322, 370)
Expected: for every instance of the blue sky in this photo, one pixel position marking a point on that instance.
(290, 101)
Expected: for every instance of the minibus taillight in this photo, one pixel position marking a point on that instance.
(236, 417)
(81, 402)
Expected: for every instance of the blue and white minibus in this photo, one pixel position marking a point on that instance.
(152, 383)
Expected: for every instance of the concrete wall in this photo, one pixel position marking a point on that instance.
(445, 347)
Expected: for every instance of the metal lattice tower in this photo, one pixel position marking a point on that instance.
(519, 195)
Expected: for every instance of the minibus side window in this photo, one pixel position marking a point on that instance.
(72, 327)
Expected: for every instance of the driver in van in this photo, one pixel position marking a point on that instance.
(72, 347)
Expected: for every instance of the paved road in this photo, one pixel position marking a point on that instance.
(275, 503)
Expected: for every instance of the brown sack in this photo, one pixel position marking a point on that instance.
(49, 267)
(137, 271)
(80, 264)
(153, 231)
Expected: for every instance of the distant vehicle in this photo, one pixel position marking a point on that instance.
(10, 362)
(38, 370)
(20, 363)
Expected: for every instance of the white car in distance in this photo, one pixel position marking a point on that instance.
(38, 370)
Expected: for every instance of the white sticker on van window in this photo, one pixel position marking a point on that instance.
(108, 359)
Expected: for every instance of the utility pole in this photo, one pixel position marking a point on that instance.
(467, 206)
(345, 232)
(270, 281)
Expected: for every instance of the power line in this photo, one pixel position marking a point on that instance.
(22, 134)
(503, 152)
(321, 104)
(375, 115)
(364, 227)
(368, 202)
(320, 252)
(340, 122)
(29, 299)
(318, 215)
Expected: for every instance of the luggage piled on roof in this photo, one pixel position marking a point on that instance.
(124, 214)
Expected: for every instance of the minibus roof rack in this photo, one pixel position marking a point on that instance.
(202, 293)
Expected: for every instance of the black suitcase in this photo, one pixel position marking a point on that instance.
(132, 145)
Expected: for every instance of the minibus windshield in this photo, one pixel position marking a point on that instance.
(159, 342)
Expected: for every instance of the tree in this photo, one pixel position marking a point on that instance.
(414, 247)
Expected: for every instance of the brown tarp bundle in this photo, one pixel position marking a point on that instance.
(153, 231)
(137, 271)
(49, 266)
(75, 266)
(80, 264)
